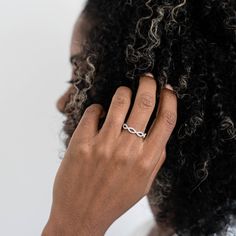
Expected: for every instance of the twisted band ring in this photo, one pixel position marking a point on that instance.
(133, 131)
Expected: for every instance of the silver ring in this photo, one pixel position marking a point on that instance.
(133, 131)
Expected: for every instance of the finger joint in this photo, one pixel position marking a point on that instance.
(146, 101)
(169, 118)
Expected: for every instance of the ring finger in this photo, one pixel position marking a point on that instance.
(144, 105)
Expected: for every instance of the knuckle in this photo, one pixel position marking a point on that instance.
(146, 101)
(102, 152)
(83, 150)
(169, 118)
(121, 99)
(144, 166)
(122, 96)
(94, 109)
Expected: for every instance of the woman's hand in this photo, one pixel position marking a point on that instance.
(105, 172)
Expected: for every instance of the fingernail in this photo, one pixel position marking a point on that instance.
(168, 86)
(148, 75)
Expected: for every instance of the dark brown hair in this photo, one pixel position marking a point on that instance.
(191, 45)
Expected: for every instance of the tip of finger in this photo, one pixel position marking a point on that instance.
(150, 75)
(147, 77)
(169, 88)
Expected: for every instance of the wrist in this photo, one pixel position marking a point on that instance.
(54, 228)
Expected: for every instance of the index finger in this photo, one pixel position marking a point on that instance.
(88, 124)
(164, 123)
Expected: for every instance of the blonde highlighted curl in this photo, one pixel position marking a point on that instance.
(191, 45)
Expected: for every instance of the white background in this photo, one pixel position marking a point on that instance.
(34, 68)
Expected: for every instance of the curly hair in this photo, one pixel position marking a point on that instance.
(192, 46)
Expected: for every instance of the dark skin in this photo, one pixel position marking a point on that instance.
(94, 158)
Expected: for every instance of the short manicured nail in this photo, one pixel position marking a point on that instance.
(168, 86)
(148, 75)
